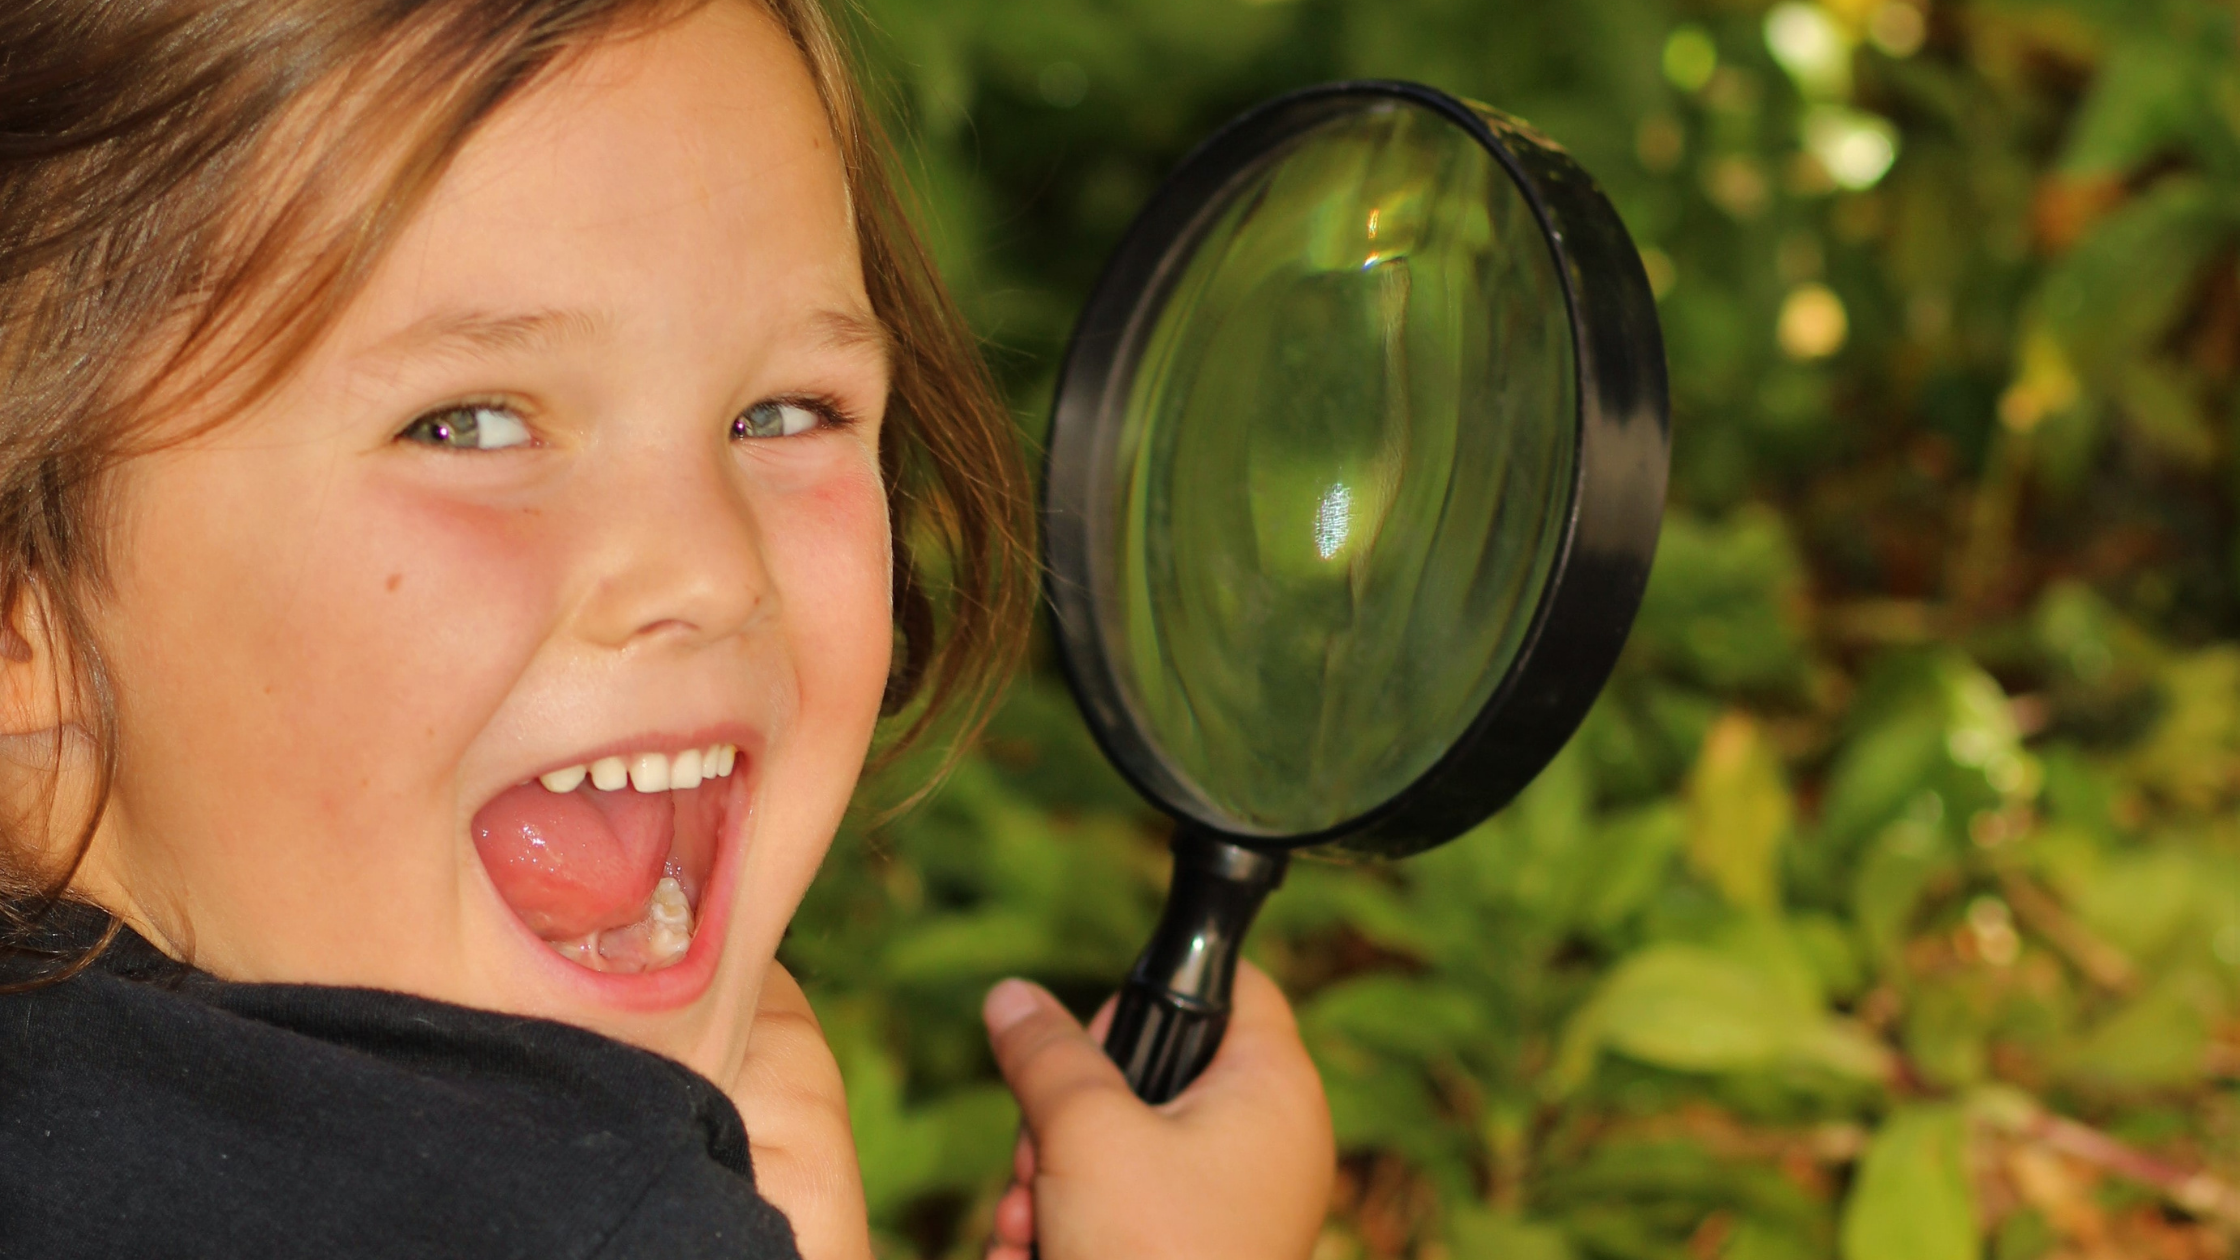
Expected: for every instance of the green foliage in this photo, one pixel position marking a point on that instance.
(1888, 904)
(1913, 1201)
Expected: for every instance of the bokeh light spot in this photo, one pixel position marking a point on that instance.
(1898, 28)
(1857, 148)
(1813, 322)
(1689, 58)
(1811, 47)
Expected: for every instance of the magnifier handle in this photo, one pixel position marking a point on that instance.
(1175, 1004)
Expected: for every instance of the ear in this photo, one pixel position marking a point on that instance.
(37, 691)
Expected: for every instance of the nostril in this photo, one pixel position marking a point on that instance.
(708, 592)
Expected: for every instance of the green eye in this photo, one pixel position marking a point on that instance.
(775, 419)
(468, 427)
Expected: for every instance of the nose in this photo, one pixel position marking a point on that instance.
(671, 547)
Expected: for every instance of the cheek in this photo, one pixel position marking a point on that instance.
(827, 548)
(426, 622)
(338, 649)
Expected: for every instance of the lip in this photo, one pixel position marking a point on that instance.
(681, 982)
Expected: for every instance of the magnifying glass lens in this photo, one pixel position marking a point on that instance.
(1343, 472)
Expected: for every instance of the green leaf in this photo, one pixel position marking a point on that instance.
(1828, 949)
(1473, 1233)
(896, 1156)
(1898, 867)
(1376, 1103)
(1547, 858)
(1748, 1005)
(2121, 289)
(960, 1141)
(2189, 755)
(1319, 897)
(969, 947)
(2158, 1040)
(2140, 902)
(2025, 1235)
(1682, 1006)
(1722, 601)
(1771, 948)
(1738, 813)
(2164, 404)
(976, 1128)
(1879, 773)
(1912, 1199)
(1399, 1015)
(2142, 102)
(1754, 1240)
(1946, 1029)
(1636, 851)
(1679, 1008)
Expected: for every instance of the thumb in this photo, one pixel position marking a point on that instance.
(1051, 1065)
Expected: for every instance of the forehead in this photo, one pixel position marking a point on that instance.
(683, 176)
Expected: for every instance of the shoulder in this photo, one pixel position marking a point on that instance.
(181, 1115)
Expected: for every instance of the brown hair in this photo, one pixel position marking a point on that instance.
(181, 216)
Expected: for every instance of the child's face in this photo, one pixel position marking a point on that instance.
(347, 641)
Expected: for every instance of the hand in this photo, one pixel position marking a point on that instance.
(789, 1093)
(1237, 1167)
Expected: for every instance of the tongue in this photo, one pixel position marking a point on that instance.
(572, 863)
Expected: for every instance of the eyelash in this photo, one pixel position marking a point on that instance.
(439, 424)
(829, 413)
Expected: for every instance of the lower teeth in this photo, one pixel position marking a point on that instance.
(659, 937)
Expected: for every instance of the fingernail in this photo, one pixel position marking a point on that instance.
(1008, 1003)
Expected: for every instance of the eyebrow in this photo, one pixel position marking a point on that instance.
(856, 331)
(482, 334)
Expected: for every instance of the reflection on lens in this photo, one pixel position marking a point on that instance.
(1345, 462)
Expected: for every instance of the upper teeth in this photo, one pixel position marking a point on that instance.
(648, 772)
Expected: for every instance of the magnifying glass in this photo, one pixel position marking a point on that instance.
(1355, 473)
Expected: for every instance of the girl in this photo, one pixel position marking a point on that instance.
(459, 468)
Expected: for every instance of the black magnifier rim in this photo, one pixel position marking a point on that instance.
(1616, 497)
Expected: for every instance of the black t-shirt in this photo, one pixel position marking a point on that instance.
(148, 1109)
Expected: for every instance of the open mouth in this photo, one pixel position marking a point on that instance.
(607, 861)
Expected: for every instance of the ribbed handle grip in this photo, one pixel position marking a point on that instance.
(1175, 1004)
(1162, 1041)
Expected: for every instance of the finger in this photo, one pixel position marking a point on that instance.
(1015, 1217)
(1050, 1064)
(1022, 1159)
(1100, 1024)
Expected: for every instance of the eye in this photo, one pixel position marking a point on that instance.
(777, 419)
(468, 427)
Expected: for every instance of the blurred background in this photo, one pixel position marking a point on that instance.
(1888, 907)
